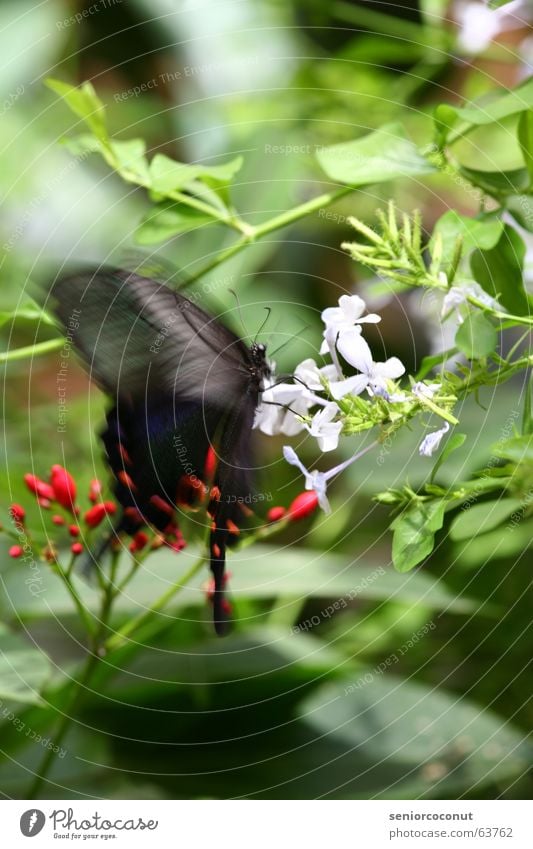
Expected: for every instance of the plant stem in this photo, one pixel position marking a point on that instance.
(275, 223)
(32, 350)
(119, 637)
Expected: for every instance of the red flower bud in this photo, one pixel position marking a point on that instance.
(210, 465)
(139, 541)
(76, 548)
(63, 486)
(95, 514)
(275, 514)
(45, 503)
(303, 505)
(39, 487)
(58, 520)
(74, 530)
(18, 513)
(95, 488)
(15, 551)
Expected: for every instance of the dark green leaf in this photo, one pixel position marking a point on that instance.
(455, 441)
(498, 183)
(527, 415)
(385, 154)
(414, 533)
(445, 745)
(476, 337)
(519, 449)
(481, 518)
(500, 271)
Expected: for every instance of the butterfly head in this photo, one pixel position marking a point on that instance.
(260, 365)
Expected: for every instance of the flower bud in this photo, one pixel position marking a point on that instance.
(63, 486)
(39, 487)
(139, 541)
(95, 488)
(15, 551)
(303, 505)
(95, 514)
(275, 514)
(58, 520)
(18, 513)
(76, 548)
(74, 530)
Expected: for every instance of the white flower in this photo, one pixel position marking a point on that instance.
(425, 390)
(431, 442)
(318, 481)
(280, 405)
(324, 429)
(374, 376)
(344, 318)
(309, 374)
(480, 25)
(458, 295)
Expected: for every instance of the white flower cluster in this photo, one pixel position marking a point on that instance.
(284, 406)
(290, 407)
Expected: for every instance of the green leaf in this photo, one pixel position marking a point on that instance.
(382, 155)
(129, 158)
(481, 518)
(168, 220)
(519, 449)
(413, 739)
(476, 337)
(521, 208)
(497, 4)
(454, 442)
(527, 415)
(498, 183)
(168, 175)
(481, 232)
(414, 533)
(23, 669)
(502, 104)
(525, 137)
(500, 271)
(86, 104)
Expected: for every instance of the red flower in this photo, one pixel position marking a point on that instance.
(76, 548)
(64, 487)
(39, 487)
(18, 513)
(95, 488)
(303, 505)
(275, 514)
(95, 514)
(15, 551)
(139, 541)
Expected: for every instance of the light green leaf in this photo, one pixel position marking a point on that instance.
(500, 271)
(166, 221)
(86, 104)
(476, 337)
(525, 137)
(23, 669)
(481, 232)
(382, 155)
(497, 4)
(414, 533)
(413, 739)
(502, 104)
(481, 518)
(168, 175)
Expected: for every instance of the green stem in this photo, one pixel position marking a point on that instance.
(119, 637)
(71, 589)
(32, 350)
(276, 223)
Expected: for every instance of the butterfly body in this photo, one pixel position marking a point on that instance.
(184, 390)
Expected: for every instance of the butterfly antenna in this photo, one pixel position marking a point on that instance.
(234, 293)
(268, 311)
(290, 339)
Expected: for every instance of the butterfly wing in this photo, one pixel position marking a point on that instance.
(140, 339)
(181, 384)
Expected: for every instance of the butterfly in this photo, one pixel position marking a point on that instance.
(184, 390)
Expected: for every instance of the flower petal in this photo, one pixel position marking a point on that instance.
(355, 350)
(351, 386)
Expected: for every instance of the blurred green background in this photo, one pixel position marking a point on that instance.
(268, 712)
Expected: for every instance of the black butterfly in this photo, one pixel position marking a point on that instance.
(184, 391)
